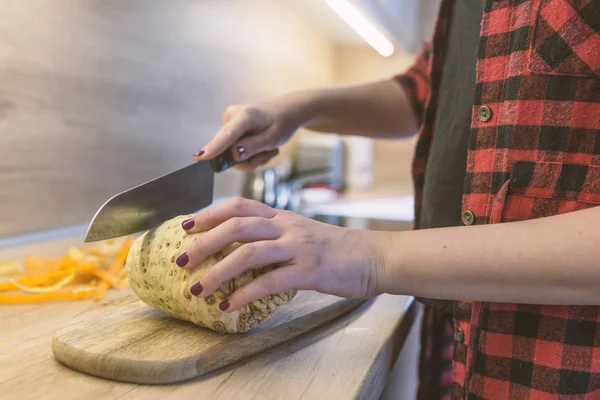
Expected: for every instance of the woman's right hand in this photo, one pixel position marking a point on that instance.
(255, 132)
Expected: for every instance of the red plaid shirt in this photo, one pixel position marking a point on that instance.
(534, 151)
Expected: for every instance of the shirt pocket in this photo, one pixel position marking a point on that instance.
(542, 189)
(566, 38)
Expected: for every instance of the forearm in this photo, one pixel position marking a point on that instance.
(554, 260)
(378, 110)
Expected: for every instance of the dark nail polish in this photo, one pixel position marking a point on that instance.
(224, 305)
(188, 224)
(199, 153)
(182, 260)
(196, 289)
(241, 151)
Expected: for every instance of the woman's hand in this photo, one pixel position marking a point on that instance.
(256, 132)
(312, 255)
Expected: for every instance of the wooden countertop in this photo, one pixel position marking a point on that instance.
(350, 358)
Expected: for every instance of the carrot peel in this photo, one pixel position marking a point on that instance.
(82, 273)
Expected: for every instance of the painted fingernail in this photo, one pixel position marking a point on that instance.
(199, 153)
(182, 260)
(241, 151)
(224, 305)
(196, 289)
(188, 224)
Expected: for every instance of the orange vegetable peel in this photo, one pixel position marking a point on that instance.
(82, 273)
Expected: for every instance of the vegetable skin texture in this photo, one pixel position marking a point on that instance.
(159, 282)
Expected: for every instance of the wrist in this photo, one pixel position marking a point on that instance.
(382, 244)
(394, 276)
(300, 107)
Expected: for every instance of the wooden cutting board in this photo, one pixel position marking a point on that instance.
(127, 340)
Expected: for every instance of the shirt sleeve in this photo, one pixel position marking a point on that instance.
(415, 82)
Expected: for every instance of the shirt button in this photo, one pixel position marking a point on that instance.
(484, 113)
(459, 335)
(468, 218)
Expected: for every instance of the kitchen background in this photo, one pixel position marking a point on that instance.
(99, 96)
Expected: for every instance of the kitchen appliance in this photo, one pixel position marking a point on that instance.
(320, 160)
(270, 186)
(146, 206)
(130, 341)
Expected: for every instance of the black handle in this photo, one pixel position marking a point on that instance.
(224, 161)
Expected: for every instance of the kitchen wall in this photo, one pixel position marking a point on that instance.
(98, 96)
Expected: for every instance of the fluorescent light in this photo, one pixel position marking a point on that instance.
(362, 26)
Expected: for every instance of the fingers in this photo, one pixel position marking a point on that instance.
(257, 161)
(248, 256)
(253, 145)
(241, 121)
(242, 230)
(277, 281)
(239, 207)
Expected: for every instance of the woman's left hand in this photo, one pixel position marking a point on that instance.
(313, 255)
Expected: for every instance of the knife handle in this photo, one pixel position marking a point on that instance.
(224, 161)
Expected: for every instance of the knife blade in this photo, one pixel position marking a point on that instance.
(148, 205)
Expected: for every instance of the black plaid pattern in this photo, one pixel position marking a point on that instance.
(554, 51)
(564, 38)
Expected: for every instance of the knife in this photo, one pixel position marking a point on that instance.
(148, 205)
